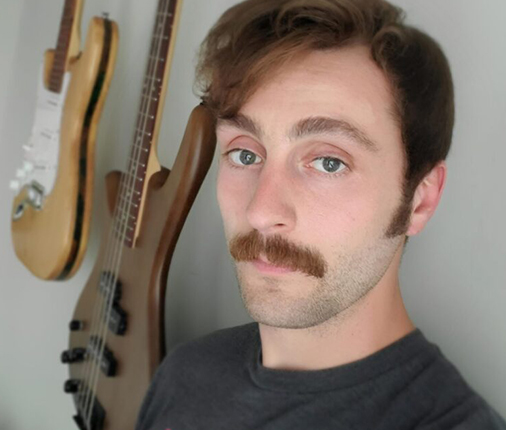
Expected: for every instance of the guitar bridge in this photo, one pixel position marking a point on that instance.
(89, 420)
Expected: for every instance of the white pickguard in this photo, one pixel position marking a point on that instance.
(40, 154)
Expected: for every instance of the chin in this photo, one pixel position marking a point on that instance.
(271, 306)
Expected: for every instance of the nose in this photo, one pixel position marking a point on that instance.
(271, 209)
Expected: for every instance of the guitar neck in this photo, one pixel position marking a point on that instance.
(68, 36)
(130, 203)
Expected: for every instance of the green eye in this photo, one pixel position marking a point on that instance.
(328, 164)
(244, 157)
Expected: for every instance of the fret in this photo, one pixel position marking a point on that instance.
(145, 96)
(154, 57)
(162, 13)
(143, 132)
(155, 91)
(145, 115)
(126, 238)
(134, 218)
(134, 166)
(137, 164)
(123, 232)
(133, 170)
(152, 78)
(161, 37)
(122, 228)
(128, 201)
(124, 215)
(136, 146)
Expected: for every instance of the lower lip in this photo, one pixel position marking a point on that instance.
(263, 267)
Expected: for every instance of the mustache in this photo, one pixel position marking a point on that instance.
(279, 251)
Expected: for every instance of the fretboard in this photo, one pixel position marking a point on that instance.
(62, 46)
(131, 191)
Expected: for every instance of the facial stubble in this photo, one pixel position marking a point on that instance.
(309, 299)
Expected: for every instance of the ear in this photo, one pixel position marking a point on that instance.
(426, 198)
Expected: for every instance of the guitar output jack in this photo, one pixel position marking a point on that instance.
(20, 210)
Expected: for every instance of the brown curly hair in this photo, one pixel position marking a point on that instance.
(255, 37)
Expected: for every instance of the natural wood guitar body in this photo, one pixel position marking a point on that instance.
(51, 241)
(143, 276)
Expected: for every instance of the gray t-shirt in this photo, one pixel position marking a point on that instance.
(218, 383)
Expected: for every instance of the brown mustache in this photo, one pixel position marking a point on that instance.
(279, 252)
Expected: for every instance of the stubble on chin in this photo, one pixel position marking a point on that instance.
(306, 302)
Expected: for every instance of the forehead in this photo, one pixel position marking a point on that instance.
(343, 84)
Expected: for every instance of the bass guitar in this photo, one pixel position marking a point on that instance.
(117, 332)
(51, 211)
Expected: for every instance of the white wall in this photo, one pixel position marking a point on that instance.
(454, 279)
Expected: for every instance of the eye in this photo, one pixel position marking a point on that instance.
(328, 164)
(243, 157)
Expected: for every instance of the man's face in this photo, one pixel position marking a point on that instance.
(310, 179)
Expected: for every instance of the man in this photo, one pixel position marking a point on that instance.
(333, 122)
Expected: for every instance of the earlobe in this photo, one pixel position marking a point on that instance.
(427, 197)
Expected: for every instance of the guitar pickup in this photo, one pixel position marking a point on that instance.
(106, 360)
(118, 320)
(106, 288)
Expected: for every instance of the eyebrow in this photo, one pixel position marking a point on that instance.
(306, 127)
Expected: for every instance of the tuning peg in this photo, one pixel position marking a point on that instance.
(75, 355)
(76, 325)
(71, 386)
(20, 173)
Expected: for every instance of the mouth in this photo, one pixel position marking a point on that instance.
(263, 266)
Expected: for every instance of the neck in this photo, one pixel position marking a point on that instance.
(377, 320)
(67, 43)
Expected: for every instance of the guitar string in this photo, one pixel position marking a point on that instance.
(105, 283)
(110, 291)
(102, 289)
(110, 281)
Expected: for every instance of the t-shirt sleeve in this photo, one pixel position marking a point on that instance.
(473, 414)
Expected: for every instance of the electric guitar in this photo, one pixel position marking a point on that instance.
(52, 208)
(117, 332)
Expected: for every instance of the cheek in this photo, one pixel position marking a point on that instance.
(233, 196)
(340, 216)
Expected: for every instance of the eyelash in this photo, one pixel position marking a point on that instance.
(328, 175)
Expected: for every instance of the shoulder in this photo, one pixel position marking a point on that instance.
(190, 366)
(453, 403)
(472, 413)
